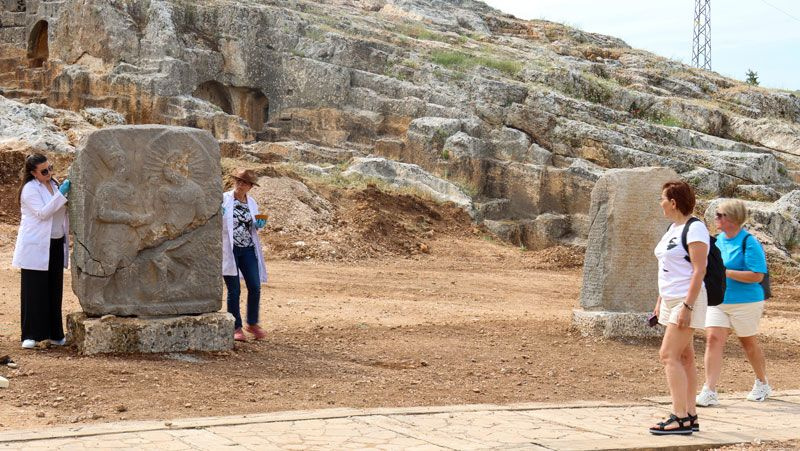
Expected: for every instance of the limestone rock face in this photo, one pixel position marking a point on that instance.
(775, 224)
(37, 127)
(527, 113)
(144, 210)
(409, 175)
(620, 272)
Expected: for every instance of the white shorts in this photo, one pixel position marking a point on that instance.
(671, 308)
(742, 318)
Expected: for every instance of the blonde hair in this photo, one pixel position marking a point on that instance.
(735, 210)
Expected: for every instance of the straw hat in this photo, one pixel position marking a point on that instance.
(245, 175)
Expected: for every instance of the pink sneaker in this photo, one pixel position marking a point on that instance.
(238, 335)
(257, 331)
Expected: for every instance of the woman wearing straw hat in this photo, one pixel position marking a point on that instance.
(241, 252)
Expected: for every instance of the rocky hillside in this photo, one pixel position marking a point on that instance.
(512, 119)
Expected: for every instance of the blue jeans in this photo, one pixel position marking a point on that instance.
(247, 263)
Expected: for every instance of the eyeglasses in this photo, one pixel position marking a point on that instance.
(720, 215)
(46, 170)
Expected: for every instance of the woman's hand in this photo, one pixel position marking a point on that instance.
(684, 317)
(744, 276)
(65, 186)
(657, 308)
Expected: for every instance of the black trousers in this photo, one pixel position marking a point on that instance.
(41, 296)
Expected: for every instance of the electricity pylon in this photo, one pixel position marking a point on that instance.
(701, 48)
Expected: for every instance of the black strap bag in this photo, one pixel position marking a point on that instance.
(715, 268)
(765, 281)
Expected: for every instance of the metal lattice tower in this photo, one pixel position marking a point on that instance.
(701, 44)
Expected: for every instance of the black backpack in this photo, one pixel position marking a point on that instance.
(715, 268)
(765, 281)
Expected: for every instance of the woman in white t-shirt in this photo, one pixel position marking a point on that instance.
(681, 304)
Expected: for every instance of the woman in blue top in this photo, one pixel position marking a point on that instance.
(742, 306)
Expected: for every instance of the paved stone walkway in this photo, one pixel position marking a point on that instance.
(579, 426)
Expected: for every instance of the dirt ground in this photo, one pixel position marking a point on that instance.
(415, 307)
(471, 322)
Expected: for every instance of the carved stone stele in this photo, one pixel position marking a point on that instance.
(144, 209)
(620, 272)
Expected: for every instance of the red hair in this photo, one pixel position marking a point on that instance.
(682, 193)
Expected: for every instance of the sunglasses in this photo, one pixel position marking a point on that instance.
(46, 170)
(720, 215)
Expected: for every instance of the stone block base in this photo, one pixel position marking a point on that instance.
(111, 334)
(614, 324)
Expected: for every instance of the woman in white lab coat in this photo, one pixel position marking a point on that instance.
(241, 252)
(41, 252)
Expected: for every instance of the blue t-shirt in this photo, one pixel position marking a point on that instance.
(754, 260)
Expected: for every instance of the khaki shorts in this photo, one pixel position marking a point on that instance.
(670, 308)
(742, 318)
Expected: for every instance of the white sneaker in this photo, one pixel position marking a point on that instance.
(760, 391)
(706, 398)
(28, 344)
(61, 342)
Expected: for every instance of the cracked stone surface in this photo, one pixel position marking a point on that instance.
(144, 209)
(112, 334)
(579, 426)
(625, 222)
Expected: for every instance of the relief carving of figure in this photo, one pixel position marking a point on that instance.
(182, 198)
(117, 215)
(147, 223)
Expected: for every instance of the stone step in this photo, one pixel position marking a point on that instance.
(24, 95)
(13, 36)
(9, 64)
(29, 84)
(492, 209)
(270, 134)
(169, 117)
(98, 102)
(13, 18)
(8, 79)
(33, 79)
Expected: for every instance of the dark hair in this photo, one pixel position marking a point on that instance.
(31, 161)
(682, 193)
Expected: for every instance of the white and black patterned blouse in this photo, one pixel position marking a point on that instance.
(242, 221)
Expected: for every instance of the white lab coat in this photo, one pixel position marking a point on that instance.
(228, 262)
(32, 250)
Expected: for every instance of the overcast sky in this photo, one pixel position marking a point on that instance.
(763, 35)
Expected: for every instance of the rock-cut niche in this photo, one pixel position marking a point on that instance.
(214, 92)
(38, 51)
(248, 103)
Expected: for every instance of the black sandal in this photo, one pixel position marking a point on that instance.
(695, 423)
(684, 426)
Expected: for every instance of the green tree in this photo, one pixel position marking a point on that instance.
(752, 77)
